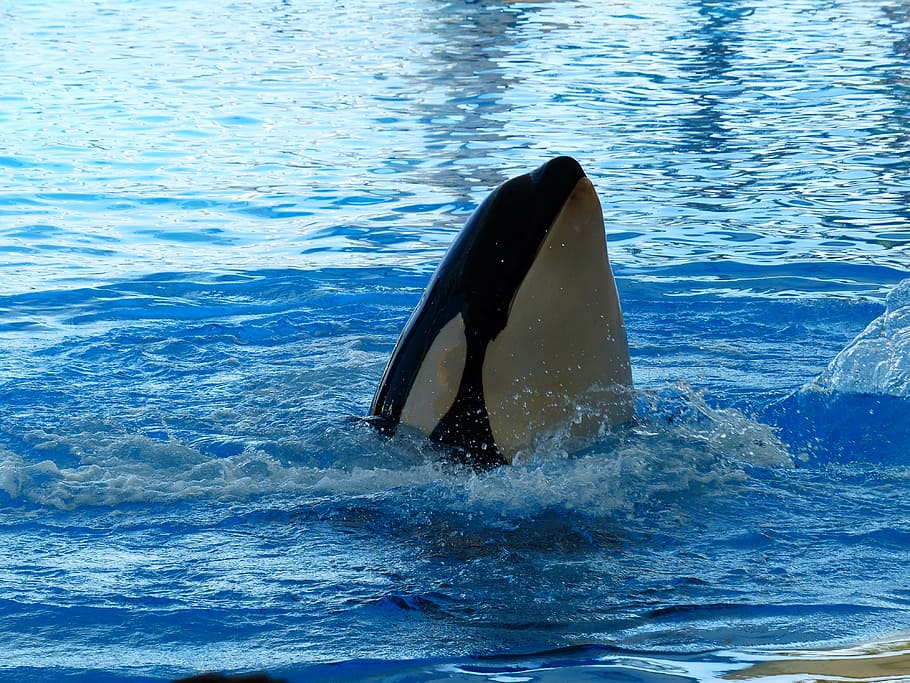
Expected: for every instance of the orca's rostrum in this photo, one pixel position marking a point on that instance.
(519, 326)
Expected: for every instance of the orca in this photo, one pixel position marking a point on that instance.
(519, 327)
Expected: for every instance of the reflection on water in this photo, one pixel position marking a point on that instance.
(708, 135)
(711, 80)
(463, 107)
(326, 134)
(897, 78)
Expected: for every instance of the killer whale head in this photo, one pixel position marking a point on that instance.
(519, 325)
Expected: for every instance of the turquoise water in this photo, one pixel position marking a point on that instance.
(214, 221)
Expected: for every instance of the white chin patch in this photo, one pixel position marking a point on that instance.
(565, 342)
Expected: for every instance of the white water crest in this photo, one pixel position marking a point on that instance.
(877, 362)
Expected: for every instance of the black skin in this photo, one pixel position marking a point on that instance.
(478, 277)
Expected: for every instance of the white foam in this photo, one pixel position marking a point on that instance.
(877, 362)
(678, 443)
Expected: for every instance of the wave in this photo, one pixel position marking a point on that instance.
(877, 362)
(856, 410)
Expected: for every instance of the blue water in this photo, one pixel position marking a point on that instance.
(215, 219)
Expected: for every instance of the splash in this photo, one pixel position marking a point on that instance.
(877, 362)
(868, 381)
(677, 445)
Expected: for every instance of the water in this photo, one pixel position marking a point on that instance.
(215, 219)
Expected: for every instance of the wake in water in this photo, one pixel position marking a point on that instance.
(678, 443)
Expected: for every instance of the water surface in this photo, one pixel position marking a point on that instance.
(214, 221)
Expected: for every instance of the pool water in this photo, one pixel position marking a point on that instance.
(215, 219)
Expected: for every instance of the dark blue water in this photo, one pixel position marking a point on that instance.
(214, 221)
